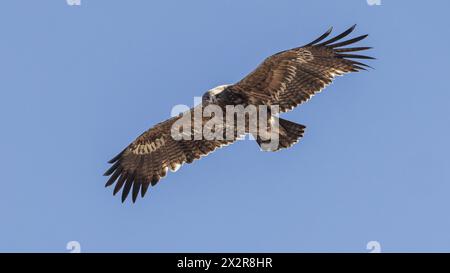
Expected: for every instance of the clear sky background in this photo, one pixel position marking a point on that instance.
(78, 83)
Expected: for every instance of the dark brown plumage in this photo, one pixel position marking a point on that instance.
(287, 79)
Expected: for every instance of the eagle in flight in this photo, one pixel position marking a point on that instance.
(286, 79)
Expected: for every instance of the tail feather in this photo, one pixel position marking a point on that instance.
(289, 134)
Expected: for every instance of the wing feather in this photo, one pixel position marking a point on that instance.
(325, 35)
(338, 37)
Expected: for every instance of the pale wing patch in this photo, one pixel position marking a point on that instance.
(291, 73)
(304, 56)
(218, 89)
(175, 167)
(148, 147)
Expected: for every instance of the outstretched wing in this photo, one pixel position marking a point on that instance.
(147, 159)
(292, 77)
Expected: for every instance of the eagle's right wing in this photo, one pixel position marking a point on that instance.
(292, 77)
(147, 159)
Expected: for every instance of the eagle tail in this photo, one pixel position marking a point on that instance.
(289, 134)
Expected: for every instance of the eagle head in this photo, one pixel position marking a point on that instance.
(211, 95)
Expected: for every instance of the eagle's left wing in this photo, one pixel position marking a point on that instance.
(292, 77)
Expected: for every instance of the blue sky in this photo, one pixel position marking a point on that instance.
(79, 83)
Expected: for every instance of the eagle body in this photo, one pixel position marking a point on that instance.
(282, 81)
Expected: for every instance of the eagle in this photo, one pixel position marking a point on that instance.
(285, 79)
